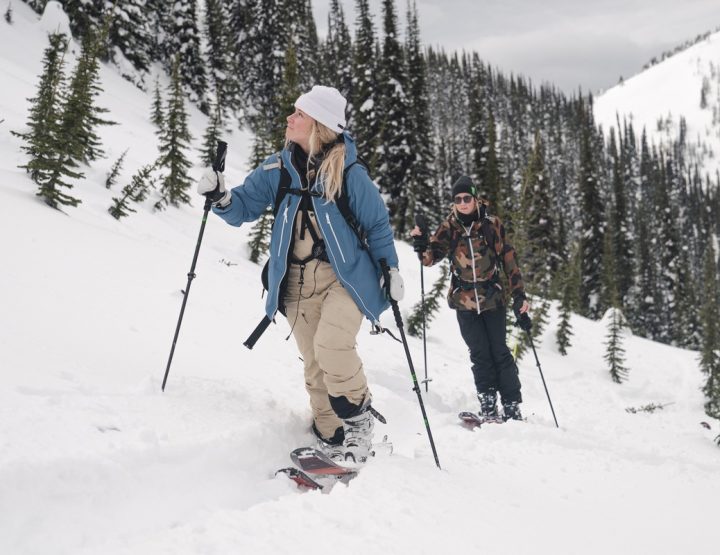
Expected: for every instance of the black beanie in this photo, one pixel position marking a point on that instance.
(464, 185)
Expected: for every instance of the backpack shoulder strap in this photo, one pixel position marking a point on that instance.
(283, 185)
(343, 203)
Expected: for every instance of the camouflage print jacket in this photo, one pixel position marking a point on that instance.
(475, 280)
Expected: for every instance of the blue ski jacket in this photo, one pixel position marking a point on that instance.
(358, 270)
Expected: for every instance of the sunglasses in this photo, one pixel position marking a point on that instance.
(464, 199)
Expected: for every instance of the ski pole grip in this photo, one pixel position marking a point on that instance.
(422, 223)
(219, 163)
(386, 276)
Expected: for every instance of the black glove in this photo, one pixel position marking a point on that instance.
(420, 243)
(523, 318)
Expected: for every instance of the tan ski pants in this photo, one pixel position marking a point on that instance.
(325, 322)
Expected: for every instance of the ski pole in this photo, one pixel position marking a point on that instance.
(542, 377)
(218, 166)
(422, 223)
(399, 323)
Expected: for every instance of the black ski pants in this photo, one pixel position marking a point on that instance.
(493, 366)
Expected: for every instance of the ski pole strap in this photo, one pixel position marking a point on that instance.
(259, 330)
(379, 330)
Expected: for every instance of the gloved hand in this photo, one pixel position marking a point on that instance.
(520, 307)
(397, 287)
(212, 185)
(420, 243)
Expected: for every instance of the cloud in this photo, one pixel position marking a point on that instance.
(588, 43)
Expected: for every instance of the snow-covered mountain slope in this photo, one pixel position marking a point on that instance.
(657, 98)
(95, 459)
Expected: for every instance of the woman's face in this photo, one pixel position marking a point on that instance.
(465, 203)
(299, 125)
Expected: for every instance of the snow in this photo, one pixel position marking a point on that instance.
(95, 459)
(667, 91)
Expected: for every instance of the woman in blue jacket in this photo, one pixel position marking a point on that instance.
(319, 273)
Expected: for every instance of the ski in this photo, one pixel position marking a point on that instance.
(300, 478)
(473, 420)
(313, 461)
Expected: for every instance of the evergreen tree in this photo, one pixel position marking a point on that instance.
(644, 317)
(710, 344)
(568, 286)
(269, 44)
(300, 25)
(285, 100)
(477, 128)
(115, 170)
(433, 299)
(393, 154)
(615, 353)
(136, 191)
(419, 181)
(211, 136)
(8, 13)
(491, 179)
(49, 165)
(538, 253)
(175, 139)
(182, 46)
(287, 94)
(591, 232)
(621, 244)
(365, 96)
(220, 63)
(337, 70)
(131, 33)
(668, 245)
(156, 115)
(84, 15)
(81, 116)
(243, 44)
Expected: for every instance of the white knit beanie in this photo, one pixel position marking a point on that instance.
(326, 105)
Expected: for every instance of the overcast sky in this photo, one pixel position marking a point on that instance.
(571, 43)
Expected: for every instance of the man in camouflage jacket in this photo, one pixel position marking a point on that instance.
(476, 245)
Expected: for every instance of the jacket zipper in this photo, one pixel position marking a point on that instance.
(346, 283)
(472, 257)
(285, 221)
(282, 231)
(327, 218)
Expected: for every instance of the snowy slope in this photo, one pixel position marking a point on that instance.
(665, 92)
(94, 459)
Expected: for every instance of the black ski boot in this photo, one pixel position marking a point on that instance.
(488, 404)
(512, 411)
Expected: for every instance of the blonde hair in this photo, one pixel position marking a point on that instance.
(330, 173)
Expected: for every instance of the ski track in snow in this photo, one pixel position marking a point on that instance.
(95, 459)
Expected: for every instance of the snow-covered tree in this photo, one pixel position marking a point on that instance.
(81, 115)
(182, 45)
(710, 343)
(365, 93)
(393, 153)
(591, 231)
(49, 164)
(174, 142)
(337, 59)
(419, 179)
